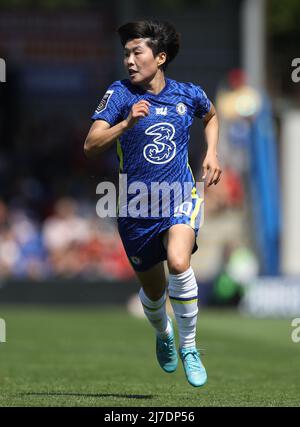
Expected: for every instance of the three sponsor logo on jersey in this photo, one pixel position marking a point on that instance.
(163, 148)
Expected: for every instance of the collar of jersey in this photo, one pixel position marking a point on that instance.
(144, 92)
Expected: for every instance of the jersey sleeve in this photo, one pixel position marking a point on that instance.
(111, 105)
(202, 102)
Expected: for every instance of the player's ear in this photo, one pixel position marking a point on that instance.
(162, 57)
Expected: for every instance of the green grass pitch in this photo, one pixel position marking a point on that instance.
(105, 357)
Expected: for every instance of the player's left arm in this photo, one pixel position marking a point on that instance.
(211, 166)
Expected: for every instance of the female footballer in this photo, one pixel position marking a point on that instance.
(149, 117)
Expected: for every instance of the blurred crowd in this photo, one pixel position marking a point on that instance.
(72, 242)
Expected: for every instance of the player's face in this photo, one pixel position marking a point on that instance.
(139, 61)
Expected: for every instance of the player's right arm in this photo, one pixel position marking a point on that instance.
(102, 135)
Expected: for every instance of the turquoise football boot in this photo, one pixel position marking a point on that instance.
(194, 370)
(166, 352)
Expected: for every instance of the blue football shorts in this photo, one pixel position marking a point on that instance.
(143, 237)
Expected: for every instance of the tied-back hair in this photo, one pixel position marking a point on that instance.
(160, 37)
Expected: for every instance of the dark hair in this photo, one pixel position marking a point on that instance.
(162, 36)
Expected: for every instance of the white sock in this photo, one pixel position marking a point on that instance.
(183, 293)
(155, 311)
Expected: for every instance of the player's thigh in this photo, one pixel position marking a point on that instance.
(179, 242)
(153, 281)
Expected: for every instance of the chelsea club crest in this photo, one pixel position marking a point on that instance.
(181, 108)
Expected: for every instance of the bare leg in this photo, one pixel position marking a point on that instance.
(153, 281)
(179, 242)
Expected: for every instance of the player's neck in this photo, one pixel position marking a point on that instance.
(156, 85)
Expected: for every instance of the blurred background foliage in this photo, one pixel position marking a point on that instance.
(284, 16)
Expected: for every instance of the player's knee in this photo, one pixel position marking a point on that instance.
(178, 265)
(154, 294)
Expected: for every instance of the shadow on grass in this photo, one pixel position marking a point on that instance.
(100, 395)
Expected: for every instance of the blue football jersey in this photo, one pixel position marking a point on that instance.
(155, 150)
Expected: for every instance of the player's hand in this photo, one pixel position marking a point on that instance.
(138, 110)
(211, 169)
